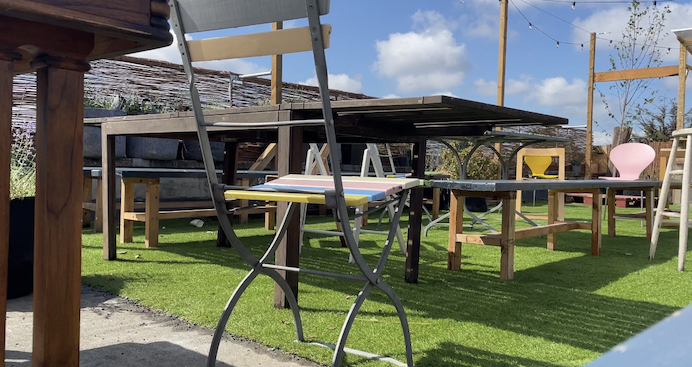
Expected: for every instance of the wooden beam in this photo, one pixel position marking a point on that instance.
(501, 64)
(277, 71)
(682, 79)
(655, 72)
(589, 107)
(493, 239)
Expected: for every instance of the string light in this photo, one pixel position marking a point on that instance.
(558, 44)
(530, 26)
(582, 46)
(574, 4)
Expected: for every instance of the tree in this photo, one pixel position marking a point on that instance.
(637, 49)
(659, 122)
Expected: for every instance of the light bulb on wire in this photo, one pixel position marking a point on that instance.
(530, 26)
(558, 44)
(574, 4)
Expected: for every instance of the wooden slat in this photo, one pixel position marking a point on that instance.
(456, 223)
(656, 72)
(507, 238)
(351, 200)
(279, 42)
(127, 204)
(492, 239)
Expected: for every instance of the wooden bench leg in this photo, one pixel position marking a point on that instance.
(610, 200)
(456, 223)
(151, 214)
(127, 204)
(509, 207)
(86, 198)
(270, 218)
(552, 217)
(596, 223)
(649, 212)
(436, 203)
(98, 215)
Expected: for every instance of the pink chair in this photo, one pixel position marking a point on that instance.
(630, 159)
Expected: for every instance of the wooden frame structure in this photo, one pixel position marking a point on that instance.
(684, 37)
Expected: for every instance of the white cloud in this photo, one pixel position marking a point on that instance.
(445, 93)
(170, 53)
(390, 96)
(341, 82)
(614, 20)
(512, 86)
(558, 91)
(428, 59)
(485, 88)
(601, 138)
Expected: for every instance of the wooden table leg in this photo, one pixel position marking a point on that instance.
(509, 207)
(649, 211)
(610, 201)
(552, 217)
(415, 217)
(98, 214)
(6, 73)
(151, 210)
(456, 223)
(230, 168)
(289, 156)
(127, 205)
(58, 233)
(86, 198)
(108, 194)
(596, 223)
(436, 203)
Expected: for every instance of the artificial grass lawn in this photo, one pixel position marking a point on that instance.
(564, 307)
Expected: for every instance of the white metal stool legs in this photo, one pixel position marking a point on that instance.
(684, 200)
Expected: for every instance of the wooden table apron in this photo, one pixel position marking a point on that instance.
(411, 120)
(57, 40)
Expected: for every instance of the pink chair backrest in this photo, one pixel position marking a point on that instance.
(631, 159)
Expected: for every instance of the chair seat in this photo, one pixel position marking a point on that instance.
(544, 176)
(291, 188)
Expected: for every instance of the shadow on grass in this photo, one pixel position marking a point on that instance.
(552, 301)
(457, 355)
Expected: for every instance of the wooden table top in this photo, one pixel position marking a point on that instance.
(513, 185)
(376, 120)
(81, 30)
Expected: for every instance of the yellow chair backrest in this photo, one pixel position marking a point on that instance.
(538, 164)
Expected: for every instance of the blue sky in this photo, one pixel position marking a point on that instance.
(411, 48)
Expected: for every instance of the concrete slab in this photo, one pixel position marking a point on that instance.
(118, 332)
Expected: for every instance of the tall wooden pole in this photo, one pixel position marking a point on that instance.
(589, 107)
(682, 78)
(501, 62)
(277, 72)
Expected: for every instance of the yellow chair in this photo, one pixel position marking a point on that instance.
(538, 165)
(538, 160)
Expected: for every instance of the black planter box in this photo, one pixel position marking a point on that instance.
(20, 274)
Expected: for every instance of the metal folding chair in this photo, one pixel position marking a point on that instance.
(191, 16)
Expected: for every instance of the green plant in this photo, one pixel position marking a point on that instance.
(482, 164)
(22, 163)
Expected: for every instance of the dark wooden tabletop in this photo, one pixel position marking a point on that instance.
(513, 185)
(372, 120)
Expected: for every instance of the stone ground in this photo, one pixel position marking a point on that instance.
(118, 332)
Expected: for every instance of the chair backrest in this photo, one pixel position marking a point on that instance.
(538, 164)
(630, 159)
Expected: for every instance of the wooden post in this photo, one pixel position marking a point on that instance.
(649, 211)
(552, 217)
(415, 215)
(151, 210)
(289, 156)
(277, 71)
(502, 57)
(6, 73)
(98, 213)
(682, 78)
(589, 107)
(507, 236)
(58, 232)
(456, 223)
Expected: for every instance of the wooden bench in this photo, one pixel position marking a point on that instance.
(151, 177)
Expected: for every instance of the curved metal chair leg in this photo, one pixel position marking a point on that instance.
(433, 223)
(221, 326)
(292, 301)
(389, 291)
(348, 323)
